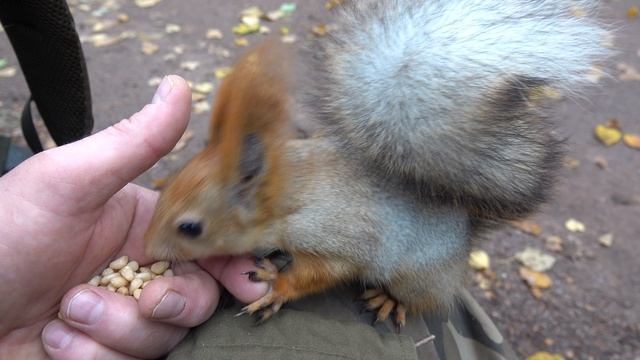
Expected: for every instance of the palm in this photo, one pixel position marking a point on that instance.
(67, 238)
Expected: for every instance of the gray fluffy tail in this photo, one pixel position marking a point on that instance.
(438, 91)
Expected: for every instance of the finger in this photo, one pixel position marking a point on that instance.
(115, 321)
(65, 343)
(187, 300)
(231, 273)
(104, 162)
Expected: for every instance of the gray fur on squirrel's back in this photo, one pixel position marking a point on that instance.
(437, 92)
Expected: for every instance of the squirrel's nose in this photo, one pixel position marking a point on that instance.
(191, 229)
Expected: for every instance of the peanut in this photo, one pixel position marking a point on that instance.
(119, 263)
(128, 278)
(159, 267)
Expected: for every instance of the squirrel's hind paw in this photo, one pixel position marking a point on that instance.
(271, 302)
(378, 299)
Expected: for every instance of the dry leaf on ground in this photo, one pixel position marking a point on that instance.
(633, 11)
(543, 355)
(574, 225)
(203, 87)
(201, 107)
(632, 141)
(554, 243)
(606, 240)
(214, 34)
(535, 259)
(607, 135)
(147, 3)
(241, 42)
(149, 48)
(527, 226)
(189, 65)
(536, 280)
(479, 260)
(319, 30)
(220, 73)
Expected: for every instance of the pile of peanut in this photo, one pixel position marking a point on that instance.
(128, 277)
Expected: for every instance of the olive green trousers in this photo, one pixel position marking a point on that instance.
(333, 326)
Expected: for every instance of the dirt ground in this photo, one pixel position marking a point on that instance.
(592, 309)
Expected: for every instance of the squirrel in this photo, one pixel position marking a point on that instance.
(430, 133)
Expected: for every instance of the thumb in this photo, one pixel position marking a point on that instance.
(95, 168)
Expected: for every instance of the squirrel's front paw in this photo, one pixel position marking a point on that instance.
(272, 301)
(378, 299)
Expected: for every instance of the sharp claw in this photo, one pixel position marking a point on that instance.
(244, 311)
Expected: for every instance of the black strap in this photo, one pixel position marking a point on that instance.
(46, 43)
(29, 129)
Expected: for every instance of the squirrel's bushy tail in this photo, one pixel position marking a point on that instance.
(439, 91)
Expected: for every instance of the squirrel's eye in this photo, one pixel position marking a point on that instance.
(191, 229)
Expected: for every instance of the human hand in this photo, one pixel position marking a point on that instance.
(66, 213)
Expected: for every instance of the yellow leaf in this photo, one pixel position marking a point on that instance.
(632, 141)
(633, 11)
(320, 30)
(201, 107)
(332, 4)
(244, 29)
(574, 225)
(241, 42)
(479, 260)
(214, 34)
(543, 355)
(204, 87)
(535, 259)
(222, 72)
(608, 136)
(527, 226)
(535, 279)
(149, 48)
(172, 28)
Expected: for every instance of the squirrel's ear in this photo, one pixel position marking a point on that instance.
(251, 172)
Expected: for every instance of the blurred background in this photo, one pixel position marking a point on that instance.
(566, 281)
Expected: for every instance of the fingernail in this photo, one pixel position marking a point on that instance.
(163, 90)
(86, 307)
(171, 305)
(56, 335)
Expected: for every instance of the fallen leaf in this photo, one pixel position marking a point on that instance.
(189, 65)
(222, 72)
(535, 259)
(332, 4)
(479, 260)
(154, 81)
(574, 225)
(123, 18)
(264, 30)
(147, 3)
(288, 39)
(203, 87)
(554, 243)
(536, 280)
(571, 162)
(3, 63)
(201, 107)
(184, 140)
(178, 50)
(172, 28)
(607, 135)
(543, 355)
(606, 240)
(633, 11)
(319, 30)
(284, 30)
(195, 97)
(250, 20)
(601, 162)
(241, 42)
(527, 226)
(214, 34)
(149, 48)
(484, 279)
(632, 141)
(628, 72)
(274, 15)
(159, 183)
(245, 29)
(8, 72)
(101, 26)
